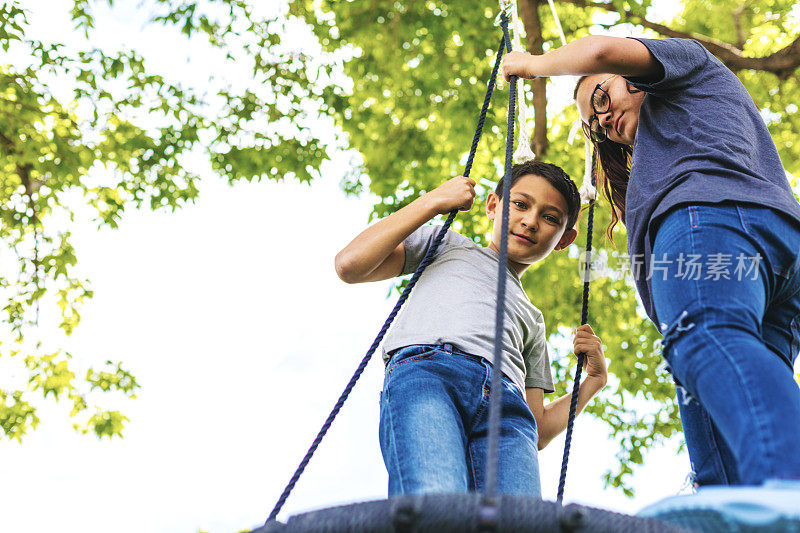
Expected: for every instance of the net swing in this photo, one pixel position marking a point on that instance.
(487, 511)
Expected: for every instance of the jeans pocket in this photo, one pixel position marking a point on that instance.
(409, 354)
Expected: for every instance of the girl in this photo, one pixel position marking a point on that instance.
(713, 232)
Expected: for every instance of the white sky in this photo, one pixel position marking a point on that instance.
(231, 317)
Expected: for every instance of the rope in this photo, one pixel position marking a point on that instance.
(490, 488)
(558, 22)
(490, 491)
(587, 190)
(576, 383)
(523, 153)
(429, 256)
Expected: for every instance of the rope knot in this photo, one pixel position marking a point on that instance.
(588, 192)
(523, 153)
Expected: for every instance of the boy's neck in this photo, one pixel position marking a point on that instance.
(517, 268)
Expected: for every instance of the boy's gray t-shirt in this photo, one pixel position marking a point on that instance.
(700, 139)
(454, 302)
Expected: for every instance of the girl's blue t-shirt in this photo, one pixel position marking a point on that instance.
(700, 140)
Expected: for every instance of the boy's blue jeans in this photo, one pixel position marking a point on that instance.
(434, 425)
(731, 343)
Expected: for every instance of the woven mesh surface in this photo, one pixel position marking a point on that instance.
(465, 513)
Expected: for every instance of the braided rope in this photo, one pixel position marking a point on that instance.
(558, 22)
(429, 256)
(587, 192)
(495, 404)
(576, 383)
(490, 488)
(523, 153)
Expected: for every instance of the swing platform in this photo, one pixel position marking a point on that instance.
(465, 513)
(773, 507)
(729, 509)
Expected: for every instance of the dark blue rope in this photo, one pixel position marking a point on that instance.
(576, 383)
(429, 256)
(490, 488)
(489, 90)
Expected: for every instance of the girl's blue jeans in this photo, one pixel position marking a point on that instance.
(434, 425)
(731, 337)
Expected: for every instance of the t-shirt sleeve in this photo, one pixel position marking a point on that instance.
(417, 244)
(682, 61)
(537, 363)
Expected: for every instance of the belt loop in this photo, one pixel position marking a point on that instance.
(448, 348)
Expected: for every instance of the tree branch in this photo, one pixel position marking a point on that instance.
(782, 63)
(529, 13)
(737, 21)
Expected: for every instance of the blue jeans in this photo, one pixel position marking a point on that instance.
(434, 425)
(731, 343)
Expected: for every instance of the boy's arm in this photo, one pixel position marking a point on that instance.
(551, 419)
(593, 54)
(378, 253)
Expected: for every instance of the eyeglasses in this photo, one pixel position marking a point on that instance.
(601, 103)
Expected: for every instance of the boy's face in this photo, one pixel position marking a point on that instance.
(537, 222)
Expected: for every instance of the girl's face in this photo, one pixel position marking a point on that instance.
(620, 118)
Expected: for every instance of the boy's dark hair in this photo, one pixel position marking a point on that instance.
(556, 177)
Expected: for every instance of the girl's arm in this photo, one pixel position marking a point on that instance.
(378, 253)
(551, 419)
(594, 54)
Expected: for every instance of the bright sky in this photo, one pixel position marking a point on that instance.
(231, 317)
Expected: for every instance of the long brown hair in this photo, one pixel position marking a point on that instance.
(613, 171)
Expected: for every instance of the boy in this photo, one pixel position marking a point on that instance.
(434, 403)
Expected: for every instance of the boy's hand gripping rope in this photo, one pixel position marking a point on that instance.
(494, 413)
(576, 383)
(429, 256)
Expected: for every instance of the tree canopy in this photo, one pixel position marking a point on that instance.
(400, 82)
(419, 71)
(90, 129)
